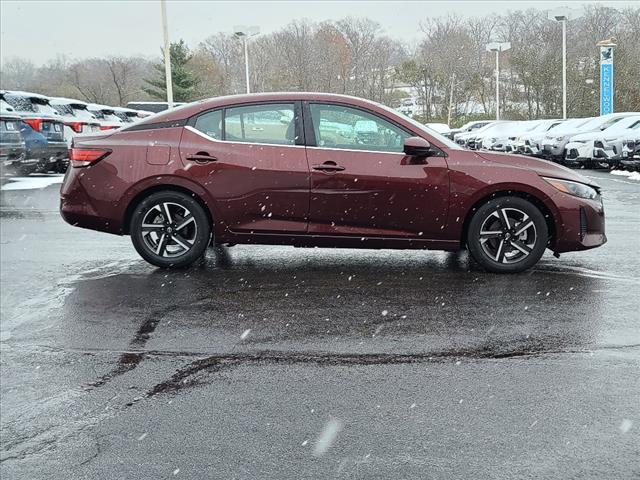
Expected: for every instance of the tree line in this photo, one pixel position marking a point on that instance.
(449, 69)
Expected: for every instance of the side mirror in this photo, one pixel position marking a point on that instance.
(417, 147)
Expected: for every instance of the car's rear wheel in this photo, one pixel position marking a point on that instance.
(170, 229)
(507, 235)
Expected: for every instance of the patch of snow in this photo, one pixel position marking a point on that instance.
(626, 425)
(32, 182)
(629, 175)
(327, 437)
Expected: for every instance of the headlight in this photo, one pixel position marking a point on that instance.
(573, 188)
(559, 138)
(492, 140)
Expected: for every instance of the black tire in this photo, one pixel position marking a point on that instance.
(523, 236)
(173, 240)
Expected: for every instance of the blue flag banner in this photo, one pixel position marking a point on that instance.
(606, 80)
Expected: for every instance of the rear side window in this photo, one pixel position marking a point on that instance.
(272, 123)
(210, 124)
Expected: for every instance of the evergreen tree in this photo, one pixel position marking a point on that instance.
(184, 81)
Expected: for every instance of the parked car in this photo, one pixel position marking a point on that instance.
(78, 120)
(467, 139)
(500, 138)
(536, 140)
(630, 158)
(153, 107)
(524, 143)
(42, 130)
(468, 127)
(197, 175)
(106, 116)
(128, 115)
(475, 139)
(554, 144)
(601, 146)
(12, 147)
(441, 128)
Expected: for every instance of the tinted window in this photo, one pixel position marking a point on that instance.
(210, 124)
(337, 126)
(268, 123)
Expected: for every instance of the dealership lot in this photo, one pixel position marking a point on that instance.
(275, 362)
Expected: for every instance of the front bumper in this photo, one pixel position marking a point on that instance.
(552, 150)
(583, 224)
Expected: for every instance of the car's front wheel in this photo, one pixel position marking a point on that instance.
(507, 235)
(170, 229)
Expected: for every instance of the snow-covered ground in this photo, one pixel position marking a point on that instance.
(32, 182)
(629, 175)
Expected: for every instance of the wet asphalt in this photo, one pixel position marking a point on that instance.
(284, 363)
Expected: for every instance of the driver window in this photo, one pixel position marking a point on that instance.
(337, 126)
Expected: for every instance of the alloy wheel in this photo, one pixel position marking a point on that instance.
(169, 229)
(508, 235)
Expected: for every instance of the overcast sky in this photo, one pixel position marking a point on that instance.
(40, 30)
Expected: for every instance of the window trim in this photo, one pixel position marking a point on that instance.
(300, 136)
(311, 134)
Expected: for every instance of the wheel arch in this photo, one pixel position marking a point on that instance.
(535, 199)
(159, 187)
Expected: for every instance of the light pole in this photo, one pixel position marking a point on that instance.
(243, 32)
(498, 47)
(167, 54)
(562, 15)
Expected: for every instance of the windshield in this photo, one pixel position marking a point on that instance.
(622, 124)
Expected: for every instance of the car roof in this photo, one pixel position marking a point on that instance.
(97, 106)
(190, 109)
(20, 93)
(66, 101)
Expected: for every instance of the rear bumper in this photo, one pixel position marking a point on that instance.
(11, 153)
(80, 209)
(52, 152)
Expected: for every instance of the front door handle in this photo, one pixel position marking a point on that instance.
(201, 157)
(328, 166)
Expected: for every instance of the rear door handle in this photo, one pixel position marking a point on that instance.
(201, 157)
(328, 167)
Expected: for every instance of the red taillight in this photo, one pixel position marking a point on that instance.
(76, 126)
(35, 123)
(108, 127)
(83, 157)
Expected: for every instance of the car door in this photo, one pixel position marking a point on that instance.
(362, 183)
(251, 159)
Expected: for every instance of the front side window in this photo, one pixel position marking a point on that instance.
(337, 126)
(272, 123)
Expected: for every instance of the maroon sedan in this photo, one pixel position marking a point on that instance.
(311, 169)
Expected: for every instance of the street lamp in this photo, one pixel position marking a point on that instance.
(562, 15)
(498, 47)
(243, 32)
(167, 54)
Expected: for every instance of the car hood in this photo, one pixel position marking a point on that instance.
(541, 167)
(587, 136)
